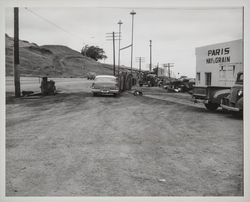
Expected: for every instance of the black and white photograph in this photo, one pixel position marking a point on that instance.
(124, 100)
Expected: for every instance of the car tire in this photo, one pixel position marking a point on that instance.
(94, 94)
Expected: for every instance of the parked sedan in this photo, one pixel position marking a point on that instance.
(105, 85)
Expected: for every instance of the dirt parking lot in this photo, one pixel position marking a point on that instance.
(74, 144)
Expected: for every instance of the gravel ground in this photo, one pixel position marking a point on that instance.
(73, 144)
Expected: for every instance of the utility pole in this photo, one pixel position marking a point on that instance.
(16, 54)
(114, 53)
(168, 65)
(113, 35)
(119, 51)
(157, 71)
(140, 65)
(150, 46)
(132, 41)
(140, 60)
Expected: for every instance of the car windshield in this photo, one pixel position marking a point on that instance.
(240, 78)
(105, 79)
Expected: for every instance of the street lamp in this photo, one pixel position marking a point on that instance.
(132, 13)
(119, 23)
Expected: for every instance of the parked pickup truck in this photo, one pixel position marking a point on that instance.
(211, 96)
(234, 101)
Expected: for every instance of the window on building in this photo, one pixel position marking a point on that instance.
(208, 78)
(222, 72)
(198, 77)
(233, 70)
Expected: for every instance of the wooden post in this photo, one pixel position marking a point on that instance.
(140, 65)
(119, 51)
(16, 54)
(114, 52)
(150, 46)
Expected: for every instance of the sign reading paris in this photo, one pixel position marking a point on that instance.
(221, 55)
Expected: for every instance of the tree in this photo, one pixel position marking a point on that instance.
(93, 52)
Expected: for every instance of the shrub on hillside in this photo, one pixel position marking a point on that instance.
(93, 52)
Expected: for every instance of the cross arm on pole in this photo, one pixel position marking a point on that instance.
(126, 47)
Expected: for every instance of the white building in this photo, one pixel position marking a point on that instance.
(218, 64)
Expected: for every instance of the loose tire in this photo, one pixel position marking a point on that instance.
(211, 106)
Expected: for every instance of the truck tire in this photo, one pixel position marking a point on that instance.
(239, 105)
(211, 106)
(238, 114)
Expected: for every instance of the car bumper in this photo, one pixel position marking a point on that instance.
(105, 92)
(230, 108)
(225, 104)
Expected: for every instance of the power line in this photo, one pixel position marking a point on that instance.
(52, 23)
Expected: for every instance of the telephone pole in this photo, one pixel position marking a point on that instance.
(157, 71)
(140, 60)
(140, 65)
(113, 35)
(114, 52)
(150, 46)
(119, 51)
(132, 13)
(16, 54)
(168, 65)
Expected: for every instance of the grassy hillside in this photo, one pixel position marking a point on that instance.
(51, 60)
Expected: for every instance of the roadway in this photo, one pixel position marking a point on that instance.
(74, 144)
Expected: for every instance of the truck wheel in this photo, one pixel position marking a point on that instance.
(238, 114)
(211, 106)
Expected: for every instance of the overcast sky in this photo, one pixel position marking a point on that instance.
(175, 32)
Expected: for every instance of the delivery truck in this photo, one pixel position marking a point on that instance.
(234, 101)
(217, 67)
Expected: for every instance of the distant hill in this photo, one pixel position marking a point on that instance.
(51, 60)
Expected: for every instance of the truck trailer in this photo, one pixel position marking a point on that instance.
(217, 67)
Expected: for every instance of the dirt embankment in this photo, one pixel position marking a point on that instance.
(51, 60)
